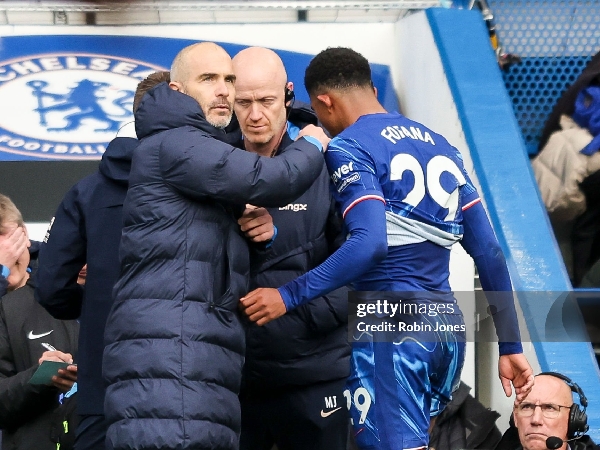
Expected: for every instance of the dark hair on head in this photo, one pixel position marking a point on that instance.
(148, 83)
(337, 68)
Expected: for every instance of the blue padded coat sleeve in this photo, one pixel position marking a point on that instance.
(199, 167)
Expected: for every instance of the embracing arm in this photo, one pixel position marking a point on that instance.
(366, 246)
(201, 167)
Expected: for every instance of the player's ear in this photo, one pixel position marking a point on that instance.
(326, 100)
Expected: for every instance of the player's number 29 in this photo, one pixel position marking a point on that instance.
(429, 180)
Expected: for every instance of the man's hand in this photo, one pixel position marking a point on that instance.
(257, 224)
(66, 378)
(12, 246)
(56, 355)
(516, 369)
(263, 305)
(317, 133)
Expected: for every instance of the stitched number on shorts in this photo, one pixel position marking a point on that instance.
(437, 165)
(362, 401)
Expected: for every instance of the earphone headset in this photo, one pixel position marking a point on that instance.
(577, 425)
(289, 95)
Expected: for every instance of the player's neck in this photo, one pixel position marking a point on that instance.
(359, 106)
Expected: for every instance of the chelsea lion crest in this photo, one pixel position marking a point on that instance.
(66, 106)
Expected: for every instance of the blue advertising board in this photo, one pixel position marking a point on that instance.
(65, 97)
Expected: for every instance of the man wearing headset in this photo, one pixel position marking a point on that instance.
(296, 367)
(548, 418)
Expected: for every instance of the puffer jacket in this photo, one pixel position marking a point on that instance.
(560, 168)
(175, 337)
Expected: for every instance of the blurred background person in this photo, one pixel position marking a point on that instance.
(87, 228)
(28, 336)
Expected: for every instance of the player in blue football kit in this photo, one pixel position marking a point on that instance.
(406, 199)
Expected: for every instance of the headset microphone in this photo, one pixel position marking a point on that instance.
(554, 442)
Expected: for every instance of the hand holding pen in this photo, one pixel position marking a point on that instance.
(66, 377)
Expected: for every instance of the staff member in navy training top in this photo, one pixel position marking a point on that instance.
(406, 199)
(296, 367)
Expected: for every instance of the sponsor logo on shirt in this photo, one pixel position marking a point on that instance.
(331, 405)
(31, 335)
(346, 181)
(294, 207)
(344, 169)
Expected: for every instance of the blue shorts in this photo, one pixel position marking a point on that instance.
(395, 387)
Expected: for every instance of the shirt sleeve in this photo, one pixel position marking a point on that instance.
(353, 174)
(480, 242)
(365, 247)
(356, 188)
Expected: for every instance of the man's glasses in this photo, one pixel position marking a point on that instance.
(549, 410)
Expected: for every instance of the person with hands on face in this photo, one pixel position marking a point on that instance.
(12, 245)
(406, 198)
(27, 333)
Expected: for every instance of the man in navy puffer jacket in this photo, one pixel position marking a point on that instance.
(174, 338)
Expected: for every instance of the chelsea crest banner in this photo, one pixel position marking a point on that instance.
(65, 97)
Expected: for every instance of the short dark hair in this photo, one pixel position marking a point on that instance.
(148, 83)
(337, 68)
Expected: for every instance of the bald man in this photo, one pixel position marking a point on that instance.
(296, 367)
(174, 337)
